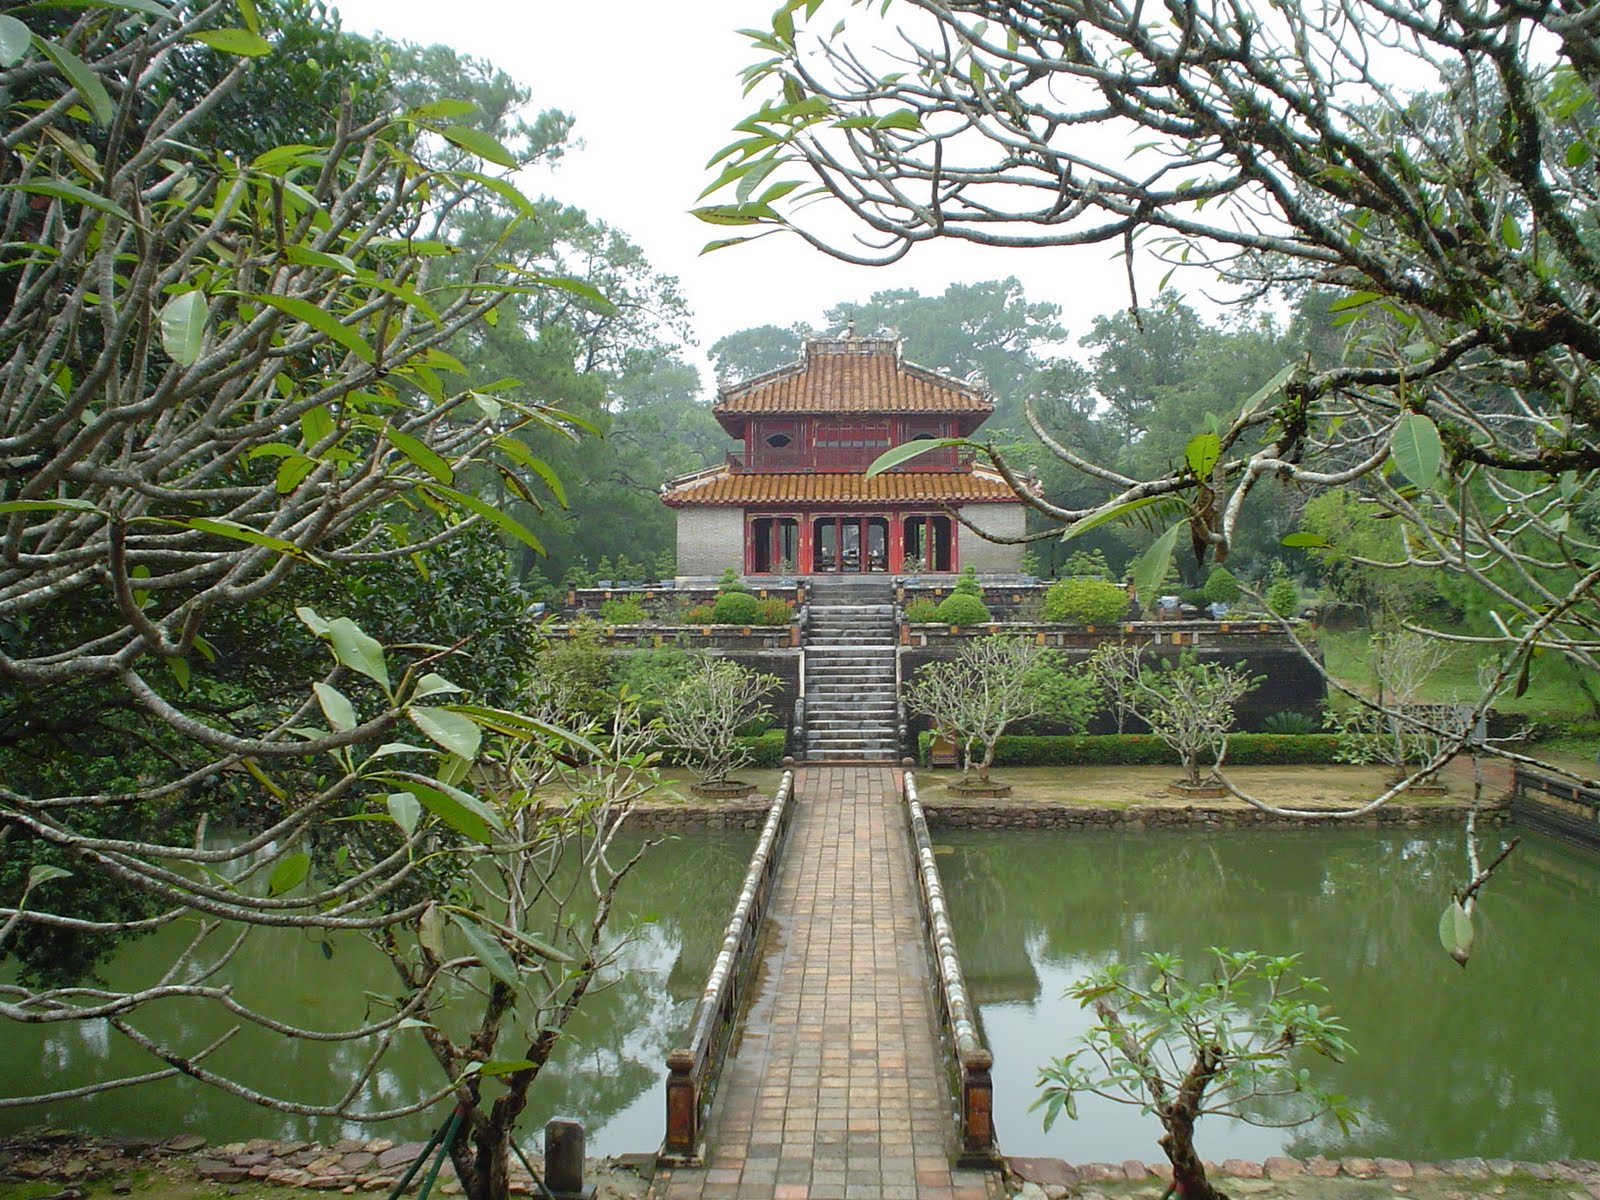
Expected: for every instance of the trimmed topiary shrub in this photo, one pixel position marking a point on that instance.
(960, 608)
(773, 611)
(1085, 602)
(766, 749)
(1221, 587)
(1283, 598)
(1193, 596)
(621, 611)
(922, 611)
(967, 584)
(734, 608)
(730, 582)
(699, 614)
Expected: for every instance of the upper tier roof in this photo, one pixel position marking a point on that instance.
(852, 375)
(719, 486)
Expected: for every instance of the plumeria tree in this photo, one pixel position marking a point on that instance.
(703, 713)
(224, 390)
(1184, 1045)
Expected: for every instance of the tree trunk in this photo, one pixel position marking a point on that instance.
(1189, 1180)
(483, 1162)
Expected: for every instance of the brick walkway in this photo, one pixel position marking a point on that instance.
(837, 1089)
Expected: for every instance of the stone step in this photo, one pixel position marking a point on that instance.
(865, 648)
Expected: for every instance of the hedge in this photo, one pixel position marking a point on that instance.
(768, 748)
(1147, 750)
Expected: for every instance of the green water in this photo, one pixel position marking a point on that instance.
(1497, 1060)
(672, 911)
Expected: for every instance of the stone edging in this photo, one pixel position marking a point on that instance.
(697, 817)
(1053, 1179)
(967, 814)
(349, 1166)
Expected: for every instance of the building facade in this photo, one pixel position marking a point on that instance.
(795, 501)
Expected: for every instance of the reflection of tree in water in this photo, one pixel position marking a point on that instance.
(622, 1034)
(1448, 1062)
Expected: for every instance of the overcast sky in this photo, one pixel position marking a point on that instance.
(654, 90)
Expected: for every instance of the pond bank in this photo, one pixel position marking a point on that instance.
(33, 1167)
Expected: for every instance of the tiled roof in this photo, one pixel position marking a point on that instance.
(721, 486)
(853, 375)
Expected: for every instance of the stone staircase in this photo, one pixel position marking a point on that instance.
(852, 711)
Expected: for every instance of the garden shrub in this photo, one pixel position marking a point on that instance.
(1193, 596)
(1085, 602)
(961, 608)
(922, 611)
(773, 611)
(967, 584)
(1091, 563)
(622, 611)
(766, 749)
(1290, 722)
(734, 608)
(1222, 587)
(1283, 598)
(730, 582)
(1147, 750)
(699, 614)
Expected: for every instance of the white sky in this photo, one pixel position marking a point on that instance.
(654, 90)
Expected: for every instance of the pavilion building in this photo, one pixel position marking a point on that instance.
(795, 501)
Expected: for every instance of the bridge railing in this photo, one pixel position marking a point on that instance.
(694, 1070)
(1556, 806)
(970, 1060)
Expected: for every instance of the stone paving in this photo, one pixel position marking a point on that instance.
(836, 1090)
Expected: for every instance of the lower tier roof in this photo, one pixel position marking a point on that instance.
(722, 486)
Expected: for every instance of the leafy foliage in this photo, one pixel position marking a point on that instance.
(922, 611)
(735, 608)
(1085, 602)
(703, 714)
(962, 608)
(1221, 587)
(1226, 1043)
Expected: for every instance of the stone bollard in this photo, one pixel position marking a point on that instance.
(563, 1159)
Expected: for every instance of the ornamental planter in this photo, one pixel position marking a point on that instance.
(1197, 791)
(728, 789)
(988, 791)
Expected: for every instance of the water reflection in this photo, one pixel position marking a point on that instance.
(1489, 1061)
(672, 909)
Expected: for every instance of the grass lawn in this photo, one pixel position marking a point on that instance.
(1120, 787)
(1553, 694)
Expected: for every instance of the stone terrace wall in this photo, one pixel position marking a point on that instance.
(1003, 814)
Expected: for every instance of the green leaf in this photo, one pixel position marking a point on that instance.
(183, 327)
(336, 707)
(1202, 453)
(15, 38)
(308, 617)
(506, 1066)
(494, 957)
(1455, 932)
(1307, 541)
(10, 506)
(44, 873)
(1151, 567)
(179, 670)
(442, 109)
(306, 257)
(488, 512)
(1110, 514)
(324, 323)
(234, 41)
(1511, 233)
(1579, 152)
(432, 685)
(736, 214)
(466, 814)
(420, 454)
(357, 650)
(61, 190)
(906, 451)
(1417, 450)
(406, 810)
(290, 873)
(475, 141)
(901, 118)
(241, 533)
(456, 733)
(84, 81)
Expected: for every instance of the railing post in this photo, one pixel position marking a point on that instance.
(683, 1105)
(977, 1105)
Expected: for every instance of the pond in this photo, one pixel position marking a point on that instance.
(1494, 1060)
(608, 1070)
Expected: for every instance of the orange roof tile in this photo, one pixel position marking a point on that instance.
(721, 486)
(853, 375)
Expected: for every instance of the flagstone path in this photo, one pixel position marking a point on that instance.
(837, 1087)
